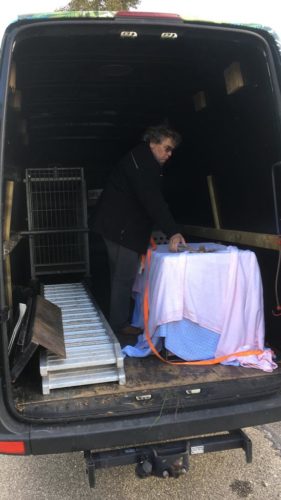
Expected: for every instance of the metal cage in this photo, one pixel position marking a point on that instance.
(57, 221)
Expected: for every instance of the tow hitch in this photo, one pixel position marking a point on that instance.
(166, 460)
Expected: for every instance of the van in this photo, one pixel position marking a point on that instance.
(77, 91)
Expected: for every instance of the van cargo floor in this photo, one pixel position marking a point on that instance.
(93, 353)
(150, 386)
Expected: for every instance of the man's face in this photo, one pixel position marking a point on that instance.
(163, 150)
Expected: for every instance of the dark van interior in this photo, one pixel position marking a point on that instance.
(80, 96)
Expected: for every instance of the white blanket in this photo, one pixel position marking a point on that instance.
(220, 291)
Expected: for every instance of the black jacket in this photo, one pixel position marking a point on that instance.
(132, 202)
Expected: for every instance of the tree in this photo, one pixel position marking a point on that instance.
(97, 5)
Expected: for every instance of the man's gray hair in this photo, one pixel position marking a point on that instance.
(157, 133)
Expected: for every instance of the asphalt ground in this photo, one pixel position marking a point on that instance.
(211, 476)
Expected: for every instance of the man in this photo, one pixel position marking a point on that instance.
(131, 204)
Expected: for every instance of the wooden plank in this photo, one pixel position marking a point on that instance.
(8, 210)
(214, 201)
(47, 328)
(9, 194)
(261, 240)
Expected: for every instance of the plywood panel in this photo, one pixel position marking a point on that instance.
(47, 329)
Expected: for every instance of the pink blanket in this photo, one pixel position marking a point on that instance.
(221, 291)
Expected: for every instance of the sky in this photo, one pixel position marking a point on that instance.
(256, 11)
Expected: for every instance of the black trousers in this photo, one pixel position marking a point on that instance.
(123, 265)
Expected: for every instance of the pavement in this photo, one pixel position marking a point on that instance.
(220, 475)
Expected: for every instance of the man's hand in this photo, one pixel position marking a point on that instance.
(174, 241)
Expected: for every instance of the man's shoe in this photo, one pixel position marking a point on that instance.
(130, 330)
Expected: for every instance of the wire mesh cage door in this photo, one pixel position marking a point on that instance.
(57, 221)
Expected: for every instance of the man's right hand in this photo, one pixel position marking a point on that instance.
(175, 240)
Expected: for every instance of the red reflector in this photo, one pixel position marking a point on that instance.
(12, 447)
(125, 13)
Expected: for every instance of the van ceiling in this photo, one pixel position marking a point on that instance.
(99, 86)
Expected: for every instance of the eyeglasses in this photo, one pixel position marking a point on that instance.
(169, 149)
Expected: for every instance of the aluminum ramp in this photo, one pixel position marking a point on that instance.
(93, 353)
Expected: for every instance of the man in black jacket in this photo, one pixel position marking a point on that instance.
(131, 204)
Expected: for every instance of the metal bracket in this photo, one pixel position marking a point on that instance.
(246, 445)
(169, 459)
(90, 468)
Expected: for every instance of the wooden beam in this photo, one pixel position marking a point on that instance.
(260, 240)
(6, 237)
(8, 210)
(214, 201)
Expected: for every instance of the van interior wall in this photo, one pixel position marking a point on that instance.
(85, 104)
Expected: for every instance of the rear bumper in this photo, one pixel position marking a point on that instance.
(128, 432)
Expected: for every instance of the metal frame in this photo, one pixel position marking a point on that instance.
(57, 221)
(170, 459)
(93, 353)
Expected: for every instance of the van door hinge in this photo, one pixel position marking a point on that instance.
(4, 315)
